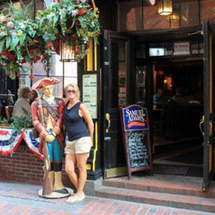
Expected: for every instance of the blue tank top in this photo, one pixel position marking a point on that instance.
(74, 123)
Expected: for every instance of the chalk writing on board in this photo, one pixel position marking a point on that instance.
(136, 138)
(137, 148)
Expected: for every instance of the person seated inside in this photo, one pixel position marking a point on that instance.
(22, 106)
(159, 99)
(34, 95)
(7, 101)
(181, 97)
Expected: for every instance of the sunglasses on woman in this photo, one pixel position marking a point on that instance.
(71, 91)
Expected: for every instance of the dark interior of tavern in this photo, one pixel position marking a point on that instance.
(178, 101)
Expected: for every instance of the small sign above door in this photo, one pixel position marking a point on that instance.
(182, 48)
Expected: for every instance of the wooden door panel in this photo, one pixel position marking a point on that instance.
(116, 66)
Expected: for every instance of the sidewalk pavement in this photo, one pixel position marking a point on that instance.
(22, 199)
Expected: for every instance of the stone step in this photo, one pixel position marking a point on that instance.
(157, 198)
(181, 185)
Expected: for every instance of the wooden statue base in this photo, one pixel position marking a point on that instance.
(56, 195)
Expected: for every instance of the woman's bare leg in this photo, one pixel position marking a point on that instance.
(81, 164)
(70, 169)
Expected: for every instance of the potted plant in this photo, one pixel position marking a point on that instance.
(19, 40)
(25, 40)
(70, 21)
(20, 123)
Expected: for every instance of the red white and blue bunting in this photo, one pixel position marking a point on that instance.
(31, 142)
(10, 140)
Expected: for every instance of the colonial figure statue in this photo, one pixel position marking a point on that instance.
(47, 119)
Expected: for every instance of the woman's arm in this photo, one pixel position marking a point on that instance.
(86, 115)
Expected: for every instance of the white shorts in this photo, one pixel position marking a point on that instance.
(79, 146)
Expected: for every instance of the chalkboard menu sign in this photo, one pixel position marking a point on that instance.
(135, 130)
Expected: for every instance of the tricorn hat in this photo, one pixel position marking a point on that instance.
(45, 82)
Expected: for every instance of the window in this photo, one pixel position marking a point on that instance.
(66, 72)
(135, 15)
(189, 13)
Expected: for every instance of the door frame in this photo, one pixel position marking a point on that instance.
(208, 107)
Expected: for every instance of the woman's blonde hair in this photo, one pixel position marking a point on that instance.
(23, 91)
(75, 87)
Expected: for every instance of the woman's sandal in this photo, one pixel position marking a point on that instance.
(76, 198)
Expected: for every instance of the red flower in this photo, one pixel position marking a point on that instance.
(31, 76)
(12, 57)
(12, 27)
(5, 52)
(58, 1)
(77, 24)
(49, 45)
(73, 38)
(31, 51)
(97, 35)
(81, 12)
(36, 58)
(4, 22)
(23, 61)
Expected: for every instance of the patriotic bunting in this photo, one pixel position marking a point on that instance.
(10, 139)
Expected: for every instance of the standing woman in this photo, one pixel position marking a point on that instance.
(78, 139)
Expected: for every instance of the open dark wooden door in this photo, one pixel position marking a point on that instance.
(115, 95)
(208, 104)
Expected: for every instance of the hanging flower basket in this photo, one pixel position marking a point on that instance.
(70, 21)
(23, 40)
(19, 41)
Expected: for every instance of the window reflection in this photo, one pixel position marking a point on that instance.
(66, 74)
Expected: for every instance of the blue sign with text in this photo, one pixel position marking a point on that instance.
(135, 118)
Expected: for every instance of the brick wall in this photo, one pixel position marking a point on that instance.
(24, 166)
(207, 13)
(154, 21)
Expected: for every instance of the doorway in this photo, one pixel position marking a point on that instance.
(178, 71)
(177, 111)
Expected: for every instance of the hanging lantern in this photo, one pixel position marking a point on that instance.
(165, 7)
(67, 52)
